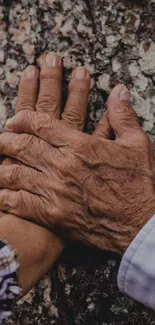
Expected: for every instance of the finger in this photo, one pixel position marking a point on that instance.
(18, 177)
(76, 106)
(49, 100)
(22, 204)
(27, 97)
(42, 126)
(103, 129)
(28, 89)
(9, 161)
(22, 146)
(122, 117)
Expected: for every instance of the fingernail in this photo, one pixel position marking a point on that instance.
(8, 123)
(124, 94)
(30, 72)
(52, 60)
(80, 73)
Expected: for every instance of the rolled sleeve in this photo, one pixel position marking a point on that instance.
(136, 276)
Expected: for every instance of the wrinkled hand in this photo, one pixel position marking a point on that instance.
(88, 188)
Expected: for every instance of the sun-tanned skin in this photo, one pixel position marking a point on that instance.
(87, 188)
(38, 248)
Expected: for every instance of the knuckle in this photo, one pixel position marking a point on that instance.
(41, 121)
(15, 200)
(72, 116)
(122, 108)
(14, 175)
(23, 114)
(20, 196)
(8, 143)
(6, 200)
(22, 107)
(12, 201)
(22, 119)
(46, 101)
(49, 78)
(83, 143)
(4, 141)
(79, 89)
(126, 113)
(24, 143)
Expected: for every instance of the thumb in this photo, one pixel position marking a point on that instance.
(122, 117)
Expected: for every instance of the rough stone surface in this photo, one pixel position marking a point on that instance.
(116, 41)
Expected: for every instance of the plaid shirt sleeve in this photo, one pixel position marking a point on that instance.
(9, 287)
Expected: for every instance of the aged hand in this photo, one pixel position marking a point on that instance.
(88, 188)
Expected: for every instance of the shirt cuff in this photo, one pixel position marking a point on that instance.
(136, 276)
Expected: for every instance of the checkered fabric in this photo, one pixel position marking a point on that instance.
(9, 288)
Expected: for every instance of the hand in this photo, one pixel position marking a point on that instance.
(88, 188)
(37, 248)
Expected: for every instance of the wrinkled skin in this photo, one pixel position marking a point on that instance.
(84, 187)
